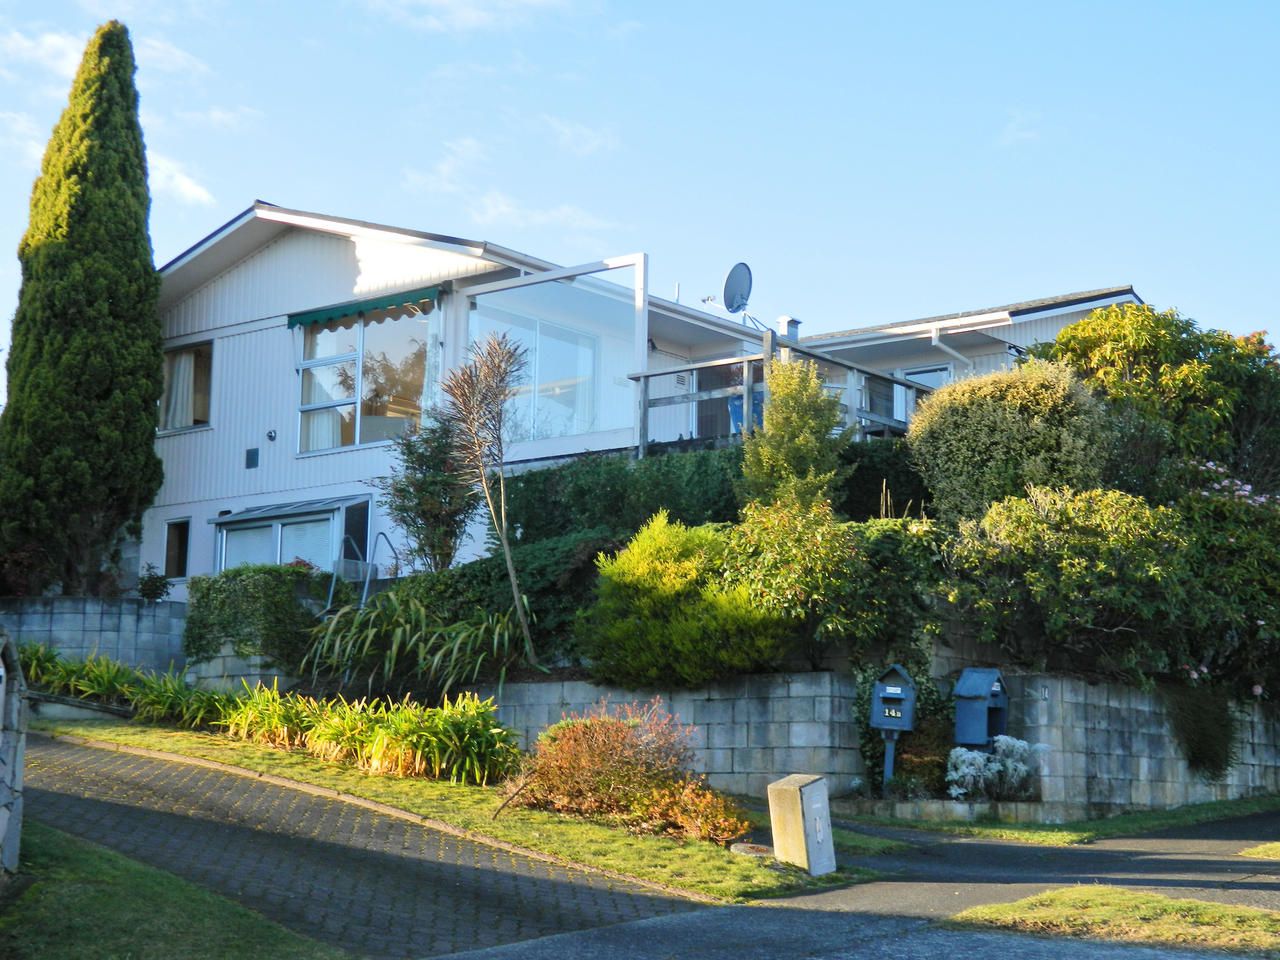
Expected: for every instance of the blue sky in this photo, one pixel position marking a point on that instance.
(871, 161)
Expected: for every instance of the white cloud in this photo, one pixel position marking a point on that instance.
(1023, 126)
(59, 53)
(456, 16)
(169, 178)
(447, 176)
(496, 207)
(162, 56)
(222, 118)
(19, 134)
(580, 139)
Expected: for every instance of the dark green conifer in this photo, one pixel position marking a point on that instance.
(77, 464)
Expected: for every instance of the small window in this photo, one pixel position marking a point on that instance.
(188, 374)
(177, 538)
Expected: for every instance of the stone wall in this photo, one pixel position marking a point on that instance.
(1111, 748)
(747, 732)
(136, 632)
(230, 673)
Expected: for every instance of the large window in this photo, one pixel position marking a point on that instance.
(317, 531)
(579, 334)
(362, 379)
(188, 373)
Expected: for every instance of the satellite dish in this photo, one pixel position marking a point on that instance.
(737, 288)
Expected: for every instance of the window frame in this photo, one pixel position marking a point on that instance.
(357, 359)
(277, 525)
(186, 557)
(194, 345)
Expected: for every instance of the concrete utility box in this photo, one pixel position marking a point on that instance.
(982, 706)
(801, 821)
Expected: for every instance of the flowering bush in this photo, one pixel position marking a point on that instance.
(1003, 774)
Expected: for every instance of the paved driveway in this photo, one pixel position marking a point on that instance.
(372, 884)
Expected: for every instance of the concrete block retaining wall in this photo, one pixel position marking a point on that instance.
(747, 732)
(1111, 748)
(136, 632)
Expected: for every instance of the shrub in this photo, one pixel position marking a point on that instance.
(1206, 725)
(627, 766)
(426, 496)
(879, 480)
(1232, 535)
(985, 438)
(1086, 582)
(1003, 774)
(152, 584)
(263, 610)
(796, 454)
(663, 615)
(559, 574)
(800, 564)
(617, 495)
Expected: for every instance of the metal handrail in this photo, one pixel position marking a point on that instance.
(373, 563)
(333, 580)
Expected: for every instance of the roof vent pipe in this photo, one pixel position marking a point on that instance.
(789, 327)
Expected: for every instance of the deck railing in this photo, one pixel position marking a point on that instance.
(867, 397)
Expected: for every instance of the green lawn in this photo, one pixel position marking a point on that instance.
(1267, 851)
(1113, 913)
(1087, 831)
(75, 899)
(852, 842)
(702, 868)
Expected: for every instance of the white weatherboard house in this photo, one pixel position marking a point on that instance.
(298, 345)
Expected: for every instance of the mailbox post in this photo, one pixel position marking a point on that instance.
(893, 711)
(982, 706)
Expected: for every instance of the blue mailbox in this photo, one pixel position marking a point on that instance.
(982, 706)
(893, 701)
(893, 711)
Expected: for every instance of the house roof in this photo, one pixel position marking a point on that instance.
(262, 222)
(1007, 312)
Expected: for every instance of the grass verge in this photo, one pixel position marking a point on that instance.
(1267, 851)
(699, 867)
(1113, 913)
(72, 898)
(1087, 831)
(852, 842)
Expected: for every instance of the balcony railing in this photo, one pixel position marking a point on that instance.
(869, 399)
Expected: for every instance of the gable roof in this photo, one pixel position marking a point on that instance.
(1007, 313)
(262, 222)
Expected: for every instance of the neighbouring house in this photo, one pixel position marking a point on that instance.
(298, 345)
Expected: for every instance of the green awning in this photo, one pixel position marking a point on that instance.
(420, 301)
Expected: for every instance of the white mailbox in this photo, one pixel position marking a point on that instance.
(801, 819)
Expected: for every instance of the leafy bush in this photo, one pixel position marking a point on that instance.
(1206, 725)
(1209, 393)
(627, 766)
(878, 480)
(920, 759)
(796, 454)
(1003, 774)
(558, 573)
(800, 564)
(985, 438)
(617, 494)
(152, 584)
(427, 496)
(264, 610)
(1233, 534)
(1087, 582)
(663, 614)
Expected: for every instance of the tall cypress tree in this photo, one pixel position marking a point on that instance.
(77, 463)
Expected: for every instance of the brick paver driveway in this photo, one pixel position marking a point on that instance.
(369, 883)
